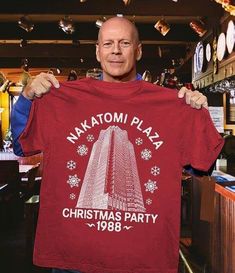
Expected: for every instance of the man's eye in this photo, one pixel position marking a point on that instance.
(125, 43)
(107, 44)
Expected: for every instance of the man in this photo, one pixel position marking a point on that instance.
(113, 153)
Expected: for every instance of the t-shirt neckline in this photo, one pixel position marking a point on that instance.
(118, 90)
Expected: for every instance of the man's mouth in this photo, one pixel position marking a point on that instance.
(116, 61)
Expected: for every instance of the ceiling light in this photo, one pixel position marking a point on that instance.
(26, 23)
(95, 73)
(58, 71)
(99, 23)
(72, 75)
(75, 42)
(177, 62)
(199, 27)
(127, 2)
(227, 5)
(25, 64)
(67, 25)
(82, 1)
(23, 43)
(159, 51)
(147, 76)
(55, 70)
(162, 26)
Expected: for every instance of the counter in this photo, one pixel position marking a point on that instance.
(213, 224)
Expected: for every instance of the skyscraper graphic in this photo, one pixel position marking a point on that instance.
(111, 180)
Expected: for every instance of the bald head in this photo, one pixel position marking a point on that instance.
(118, 49)
(120, 22)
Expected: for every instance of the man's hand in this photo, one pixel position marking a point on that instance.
(40, 85)
(194, 98)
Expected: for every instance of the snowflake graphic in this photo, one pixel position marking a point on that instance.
(149, 201)
(71, 164)
(139, 141)
(150, 186)
(146, 154)
(155, 170)
(82, 150)
(73, 180)
(90, 138)
(72, 196)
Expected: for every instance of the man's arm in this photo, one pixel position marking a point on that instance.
(37, 87)
(19, 118)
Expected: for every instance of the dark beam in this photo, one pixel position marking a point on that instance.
(137, 7)
(88, 31)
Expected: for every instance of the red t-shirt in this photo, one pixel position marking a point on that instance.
(113, 157)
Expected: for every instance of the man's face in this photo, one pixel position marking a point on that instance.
(117, 51)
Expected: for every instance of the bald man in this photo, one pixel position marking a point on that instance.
(113, 152)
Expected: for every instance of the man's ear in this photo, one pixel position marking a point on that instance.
(97, 52)
(139, 52)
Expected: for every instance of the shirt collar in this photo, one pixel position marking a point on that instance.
(138, 77)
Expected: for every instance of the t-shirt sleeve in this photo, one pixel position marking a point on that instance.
(200, 141)
(33, 138)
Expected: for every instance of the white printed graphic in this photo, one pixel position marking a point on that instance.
(127, 227)
(146, 154)
(90, 138)
(139, 141)
(150, 186)
(82, 150)
(111, 180)
(155, 170)
(72, 196)
(73, 180)
(149, 201)
(71, 165)
(90, 225)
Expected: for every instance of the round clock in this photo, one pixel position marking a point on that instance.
(208, 52)
(195, 63)
(230, 36)
(221, 46)
(200, 57)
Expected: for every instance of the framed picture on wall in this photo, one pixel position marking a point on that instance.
(230, 107)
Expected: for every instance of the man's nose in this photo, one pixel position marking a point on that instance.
(116, 48)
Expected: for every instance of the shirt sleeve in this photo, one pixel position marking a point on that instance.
(200, 141)
(19, 117)
(32, 139)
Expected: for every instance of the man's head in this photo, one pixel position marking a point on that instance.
(118, 49)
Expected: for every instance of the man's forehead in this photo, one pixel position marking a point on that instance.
(117, 28)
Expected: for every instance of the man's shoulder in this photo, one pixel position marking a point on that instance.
(83, 82)
(158, 88)
(159, 92)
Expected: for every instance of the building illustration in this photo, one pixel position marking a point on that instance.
(111, 180)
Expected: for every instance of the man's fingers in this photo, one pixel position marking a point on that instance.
(182, 92)
(51, 78)
(201, 102)
(194, 98)
(190, 96)
(46, 85)
(39, 90)
(197, 100)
